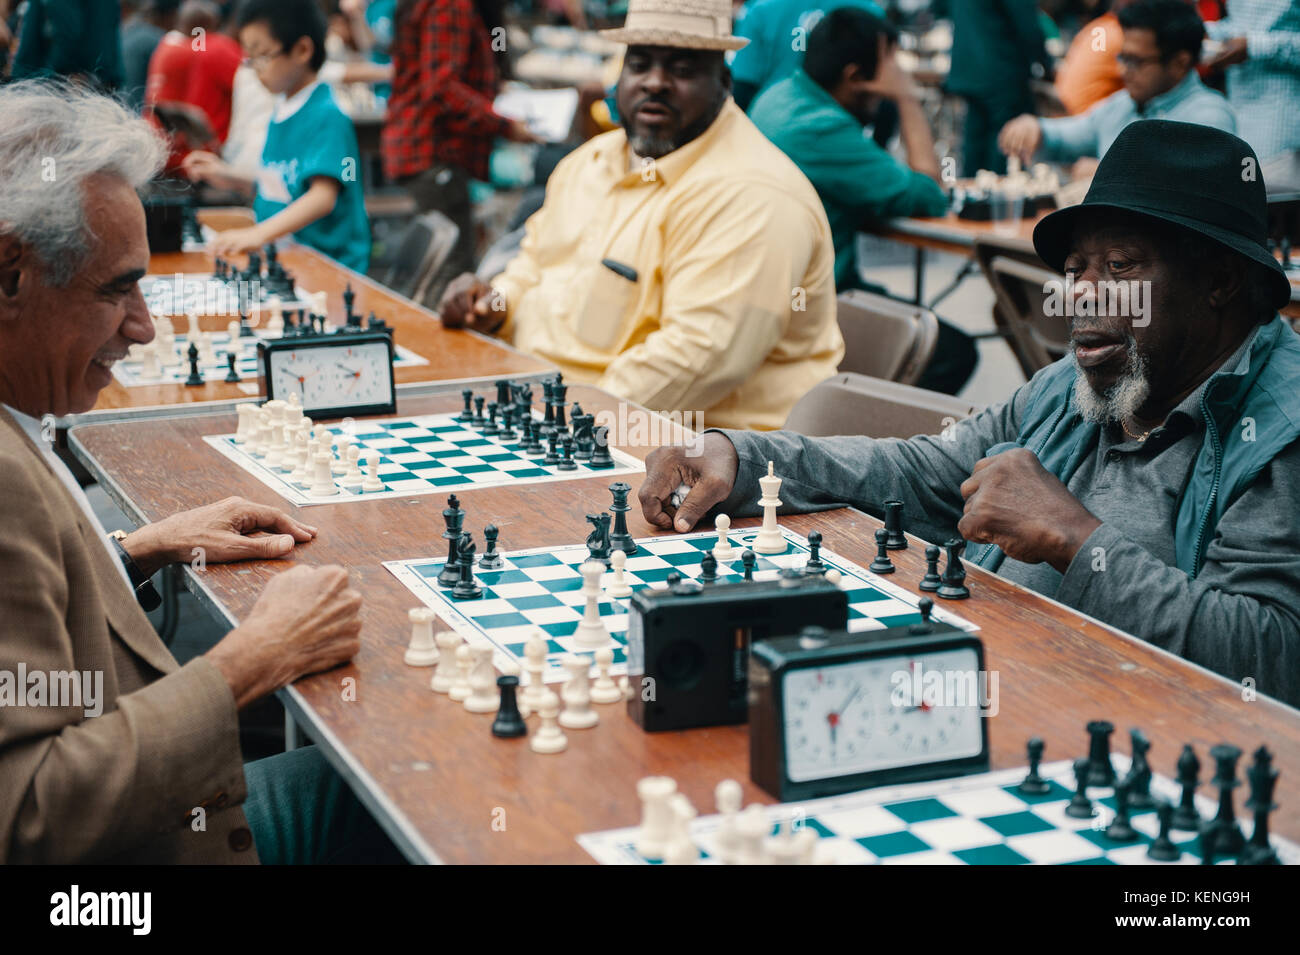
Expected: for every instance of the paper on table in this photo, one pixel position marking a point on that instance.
(547, 113)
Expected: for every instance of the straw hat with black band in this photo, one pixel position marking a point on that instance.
(692, 24)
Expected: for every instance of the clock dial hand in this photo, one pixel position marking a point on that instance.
(355, 373)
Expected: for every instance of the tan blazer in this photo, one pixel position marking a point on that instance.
(122, 786)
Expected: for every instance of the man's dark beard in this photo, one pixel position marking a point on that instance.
(649, 146)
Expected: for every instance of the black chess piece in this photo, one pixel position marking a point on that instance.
(552, 454)
(491, 559)
(896, 540)
(882, 564)
(1120, 828)
(490, 430)
(503, 392)
(218, 268)
(619, 538)
(1034, 784)
(598, 546)
(1080, 806)
(467, 587)
(582, 425)
(600, 456)
(931, 581)
(374, 324)
(1186, 818)
(506, 429)
(952, 585)
(1209, 843)
(574, 413)
(558, 392)
(232, 376)
(1263, 779)
(351, 319)
(1100, 770)
(508, 723)
(533, 439)
(479, 419)
(747, 560)
(814, 564)
(467, 414)
(1139, 774)
(455, 519)
(548, 409)
(245, 330)
(1162, 849)
(708, 568)
(926, 607)
(566, 462)
(193, 354)
(1229, 840)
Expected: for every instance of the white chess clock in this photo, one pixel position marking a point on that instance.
(332, 375)
(837, 712)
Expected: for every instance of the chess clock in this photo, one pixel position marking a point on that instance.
(333, 375)
(837, 712)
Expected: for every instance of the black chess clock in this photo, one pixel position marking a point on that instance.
(333, 375)
(834, 712)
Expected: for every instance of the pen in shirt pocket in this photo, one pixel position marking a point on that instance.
(618, 268)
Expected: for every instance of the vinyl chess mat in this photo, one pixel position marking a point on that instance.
(424, 454)
(201, 293)
(130, 370)
(970, 820)
(542, 588)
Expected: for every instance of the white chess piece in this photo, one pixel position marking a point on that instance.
(194, 332)
(322, 484)
(751, 832)
(605, 690)
(444, 675)
(232, 331)
(352, 476)
(340, 465)
(421, 651)
(656, 793)
(275, 324)
(535, 665)
(834, 576)
(372, 483)
(549, 738)
(727, 797)
(302, 456)
(275, 443)
(578, 714)
(257, 448)
(483, 696)
(241, 433)
(769, 539)
(783, 848)
(150, 366)
(806, 840)
(625, 687)
(618, 585)
(723, 549)
(591, 632)
(459, 691)
(207, 353)
(681, 848)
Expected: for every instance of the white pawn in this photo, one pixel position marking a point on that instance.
(783, 848)
(769, 539)
(483, 696)
(150, 367)
(322, 484)
(727, 796)
(723, 550)
(549, 738)
(232, 331)
(241, 433)
(372, 483)
(207, 353)
(352, 476)
(681, 848)
(618, 586)
(535, 664)
(421, 651)
(301, 473)
(459, 691)
(751, 832)
(591, 632)
(806, 841)
(656, 793)
(578, 714)
(194, 332)
(340, 465)
(444, 675)
(605, 690)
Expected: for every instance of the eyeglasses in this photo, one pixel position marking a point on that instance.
(1129, 61)
(261, 59)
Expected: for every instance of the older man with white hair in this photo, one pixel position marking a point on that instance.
(152, 771)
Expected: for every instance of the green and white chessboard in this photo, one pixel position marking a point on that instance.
(423, 455)
(970, 820)
(130, 371)
(542, 588)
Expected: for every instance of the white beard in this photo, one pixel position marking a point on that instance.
(1122, 399)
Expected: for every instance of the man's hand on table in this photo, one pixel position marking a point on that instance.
(711, 474)
(306, 620)
(1014, 502)
(468, 303)
(1021, 137)
(218, 533)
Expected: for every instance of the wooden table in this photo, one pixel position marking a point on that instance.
(454, 357)
(437, 780)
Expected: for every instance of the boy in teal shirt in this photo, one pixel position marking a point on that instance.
(309, 181)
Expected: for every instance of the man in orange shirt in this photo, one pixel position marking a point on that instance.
(1090, 71)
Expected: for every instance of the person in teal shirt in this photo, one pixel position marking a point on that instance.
(817, 115)
(778, 32)
(309, 181)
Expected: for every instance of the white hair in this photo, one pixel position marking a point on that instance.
(53, 137)
(1122, 399)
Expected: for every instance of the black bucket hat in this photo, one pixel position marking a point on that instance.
(1189, 175)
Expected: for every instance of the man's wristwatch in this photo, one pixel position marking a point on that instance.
(145, 593)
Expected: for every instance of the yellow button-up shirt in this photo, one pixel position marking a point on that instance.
(730, 317)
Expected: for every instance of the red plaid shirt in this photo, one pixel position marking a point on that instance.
(444, 80)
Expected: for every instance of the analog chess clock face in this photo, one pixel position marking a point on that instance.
(333, 376)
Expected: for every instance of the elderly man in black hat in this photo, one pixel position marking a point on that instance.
(1151, 478)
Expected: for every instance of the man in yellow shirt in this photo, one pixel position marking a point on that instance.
(682, 262)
